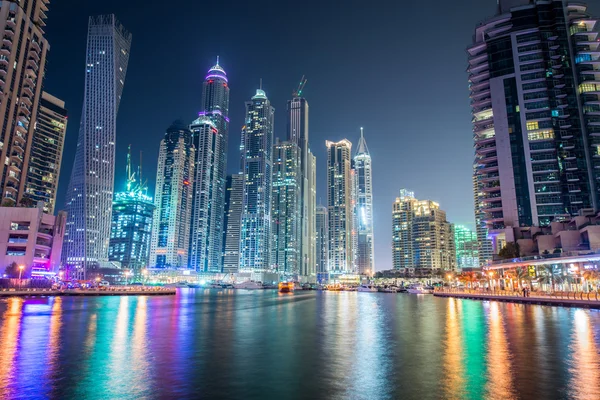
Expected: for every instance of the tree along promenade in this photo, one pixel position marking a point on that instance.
(565, 299)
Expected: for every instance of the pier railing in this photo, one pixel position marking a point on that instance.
(559, 295)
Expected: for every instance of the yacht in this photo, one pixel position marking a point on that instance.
(286, 287)
(367, 288)
(248, 285)
(388, 289)
(419, 289)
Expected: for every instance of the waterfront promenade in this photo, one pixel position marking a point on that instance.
(112, 291)
(560, 299)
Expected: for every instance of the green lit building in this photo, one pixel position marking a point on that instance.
(467, 249)
(131, 227)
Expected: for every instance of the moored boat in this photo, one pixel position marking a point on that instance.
(367, 288)
(286, 287)
(248, 285)
(419, 289)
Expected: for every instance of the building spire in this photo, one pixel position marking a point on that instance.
(130, 174)
(218, 61)
(362, 148)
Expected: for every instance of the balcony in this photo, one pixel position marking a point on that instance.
(489, 177)
(36, 47)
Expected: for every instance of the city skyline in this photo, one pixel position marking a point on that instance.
(326, 122)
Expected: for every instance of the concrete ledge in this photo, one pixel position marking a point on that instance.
(49, 292)
(525, 300)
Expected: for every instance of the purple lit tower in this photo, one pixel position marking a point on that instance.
(210, 137)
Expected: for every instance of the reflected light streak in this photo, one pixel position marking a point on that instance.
(119, 366)
(585, 361)
(53, 349)
(453, 381)
(10, 339)
(500, 383)
(139, 347)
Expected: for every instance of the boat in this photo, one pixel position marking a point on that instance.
(334, 287)
(419, 289)
(350, 289)
(248, 285)
(194, 285)
(388, 289)
(367, 288)
(286, 287)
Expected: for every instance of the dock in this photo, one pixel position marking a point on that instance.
(562, 299)
(141, 291)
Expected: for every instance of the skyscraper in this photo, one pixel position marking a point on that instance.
(286, 209)
(206, 228)
(22, 67)
(422, 238)
(173, 199)
(340, 210)
(255, 243)
(322, 239)
(297, 127)
(364, 208)
(90, 191)
(234, 199)
(533, 72)
(210, 134)
(131, 228)
(467, 249)
(46, 152)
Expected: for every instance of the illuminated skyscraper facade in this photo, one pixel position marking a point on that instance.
(90, 191)
(422, 238)
(22, 67)
(131, 228)
(206, 227)
(46, 152)
(234, 199)
(210, 135)
(286, 210)
(467, 249)
(322, 239)
(297, 127)
(364, 208)
(339, 207)
(533, 76)
(255, 242)
(173, 199)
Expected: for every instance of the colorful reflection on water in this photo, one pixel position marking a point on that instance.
(243, 344)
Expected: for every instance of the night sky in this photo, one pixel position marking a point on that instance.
(395, 68)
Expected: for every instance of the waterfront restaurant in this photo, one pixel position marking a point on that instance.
(562, 256)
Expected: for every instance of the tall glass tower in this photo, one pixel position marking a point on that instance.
(255, 244)
(340, 209)
(364, 208)
(210, 135)
(533, 76)
(90, 191)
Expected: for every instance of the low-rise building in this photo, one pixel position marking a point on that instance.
(31, 238)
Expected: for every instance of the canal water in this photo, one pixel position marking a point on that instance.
(307, 345)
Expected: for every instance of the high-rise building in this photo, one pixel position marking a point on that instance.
(22, 67)
(90, 191)
(286, 201)
(297, 127)
(402, 216)
(422, 238)
(339, 206)
(206, 241)
(467, 249)
(533, 76)
(210, 134)
(255, 241)
(173, 199)
(234, 199)
(46, 152)
(364, 208)
(322, 239)
(131, 228)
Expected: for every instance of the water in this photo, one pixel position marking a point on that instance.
(262, 344)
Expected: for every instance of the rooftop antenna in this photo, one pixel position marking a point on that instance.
(217, 60)
(260, 84)
(130, 174)
(361, 132)
(298, 91)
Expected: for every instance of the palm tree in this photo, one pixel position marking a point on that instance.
(521, 274)
(468, 277)
(549, 277)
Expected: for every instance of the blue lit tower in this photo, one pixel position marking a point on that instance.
(210, 134)
(256, 215)
(364, 208)
(90, 192)
(131, 223)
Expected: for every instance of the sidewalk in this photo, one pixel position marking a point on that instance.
(562, 299)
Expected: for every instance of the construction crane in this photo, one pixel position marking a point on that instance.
(298, 92)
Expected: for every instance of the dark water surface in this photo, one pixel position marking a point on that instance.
(262, 344)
